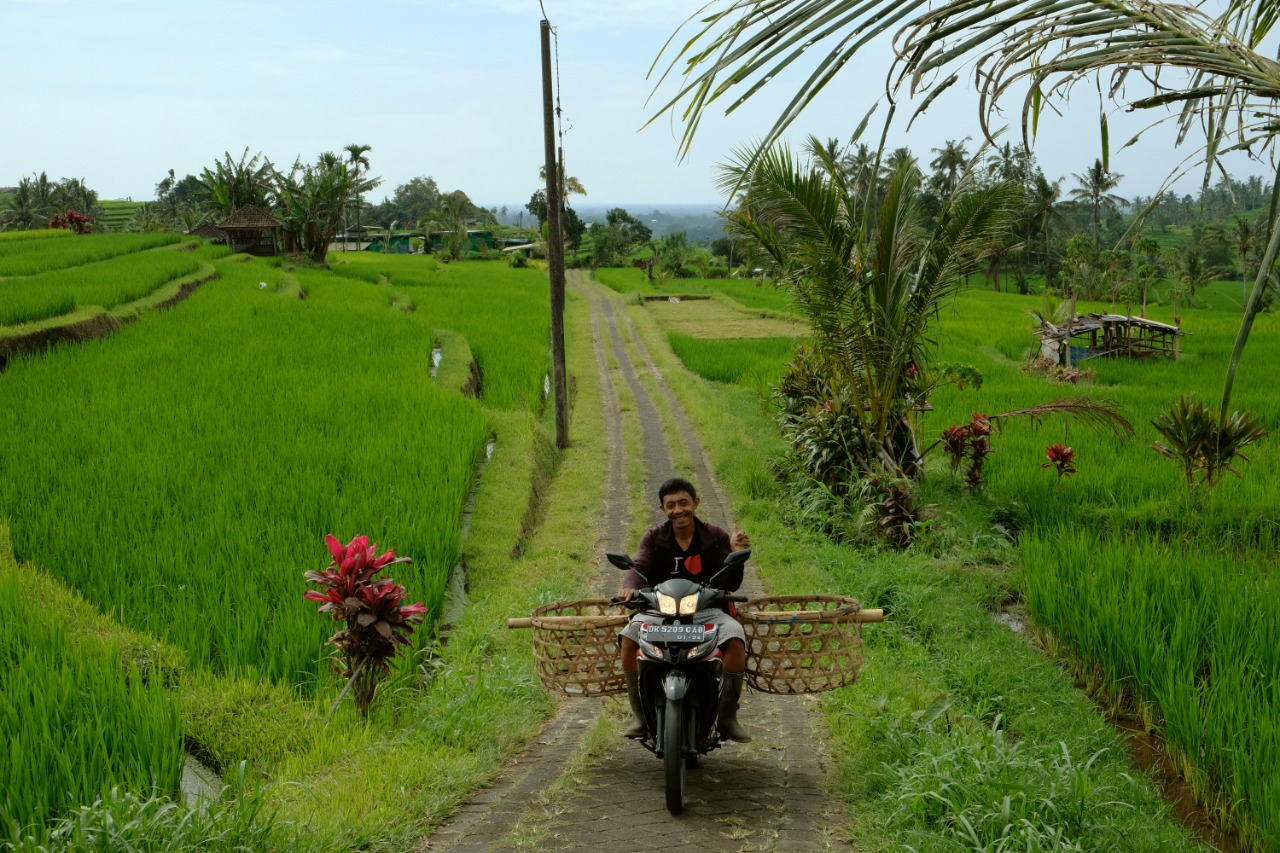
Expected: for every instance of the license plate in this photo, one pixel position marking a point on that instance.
(674, 633)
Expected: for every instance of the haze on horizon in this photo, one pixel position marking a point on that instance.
(446, 88)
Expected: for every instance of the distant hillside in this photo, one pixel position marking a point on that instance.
(700, 222)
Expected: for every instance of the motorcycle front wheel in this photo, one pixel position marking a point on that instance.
(673, 764)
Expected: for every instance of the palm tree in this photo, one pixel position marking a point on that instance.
(569, 186)
(952, 157)
(24, 211)
(898, 158)
(75, 194)
(1042, 209)
(1009, 164)
(867, 275)
(1095, 189)
(357, 161)
(1226, 90)
(1244, 235)
(859, 166)
(34, 201)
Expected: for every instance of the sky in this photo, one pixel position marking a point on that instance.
(118, 92)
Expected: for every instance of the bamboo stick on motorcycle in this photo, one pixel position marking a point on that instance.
(868, 615)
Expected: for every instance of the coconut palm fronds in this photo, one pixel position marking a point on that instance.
(1100, 414)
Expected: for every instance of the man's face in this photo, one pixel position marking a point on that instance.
(679, 508)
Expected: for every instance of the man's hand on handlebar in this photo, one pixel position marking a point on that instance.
(628, 595)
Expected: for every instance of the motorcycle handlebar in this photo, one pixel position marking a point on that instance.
(868, 615)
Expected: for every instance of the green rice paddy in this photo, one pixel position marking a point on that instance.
(742, 361)
(105, 284)
(756, 293)
(48, 253)
(181, 474)
(75, 721)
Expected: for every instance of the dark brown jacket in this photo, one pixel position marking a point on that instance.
(657, 560)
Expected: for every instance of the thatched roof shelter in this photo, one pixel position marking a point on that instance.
(209, 231)
(251, 229)
(1109, 336)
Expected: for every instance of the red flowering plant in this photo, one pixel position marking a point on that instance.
(971, 441)
(377, 623)
(72, 221)
(1061, 459)
(955, 441)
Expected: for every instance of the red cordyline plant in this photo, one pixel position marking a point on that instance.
(73, 221)
(1061, 459)
(971, 441)
(377, 624)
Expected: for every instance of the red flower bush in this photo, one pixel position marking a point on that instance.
(1061, 459)
(377, 624)
(971, 441)
(955, 440)
(76, 222)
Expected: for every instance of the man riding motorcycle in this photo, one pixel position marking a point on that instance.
(684, 546)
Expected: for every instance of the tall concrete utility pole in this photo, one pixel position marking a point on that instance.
(555, 246)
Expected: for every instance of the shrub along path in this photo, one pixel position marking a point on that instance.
(580, 786)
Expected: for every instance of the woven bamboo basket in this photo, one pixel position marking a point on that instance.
(578, 658)
(815, 646)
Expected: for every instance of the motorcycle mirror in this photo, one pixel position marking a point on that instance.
(620, 560)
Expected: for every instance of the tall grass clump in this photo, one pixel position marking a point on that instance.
(200, 457)
(29, 257)
(970, 786)
(124, 821)
(75, 722)
(1192, 632)
(104, 284)
(742, 361)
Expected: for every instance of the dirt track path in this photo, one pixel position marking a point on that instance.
(770, 794)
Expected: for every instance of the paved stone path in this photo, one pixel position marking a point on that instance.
(769, 794)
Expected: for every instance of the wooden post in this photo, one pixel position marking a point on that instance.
(555, 245)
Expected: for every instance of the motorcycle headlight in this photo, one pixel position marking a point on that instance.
(689, 605)
(666, 605)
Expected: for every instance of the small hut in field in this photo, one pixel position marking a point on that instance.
(209, 231)
(252, 230)
(1108, 336)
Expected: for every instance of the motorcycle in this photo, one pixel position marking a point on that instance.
(680, 670)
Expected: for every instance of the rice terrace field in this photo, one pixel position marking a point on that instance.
(152, 547)
(197, 463)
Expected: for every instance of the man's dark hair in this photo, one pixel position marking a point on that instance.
(676, 484)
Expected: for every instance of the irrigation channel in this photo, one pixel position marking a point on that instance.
(770, 794)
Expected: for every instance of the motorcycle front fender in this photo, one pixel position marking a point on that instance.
(675, 684)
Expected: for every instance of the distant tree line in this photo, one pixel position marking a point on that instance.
(37, 201)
